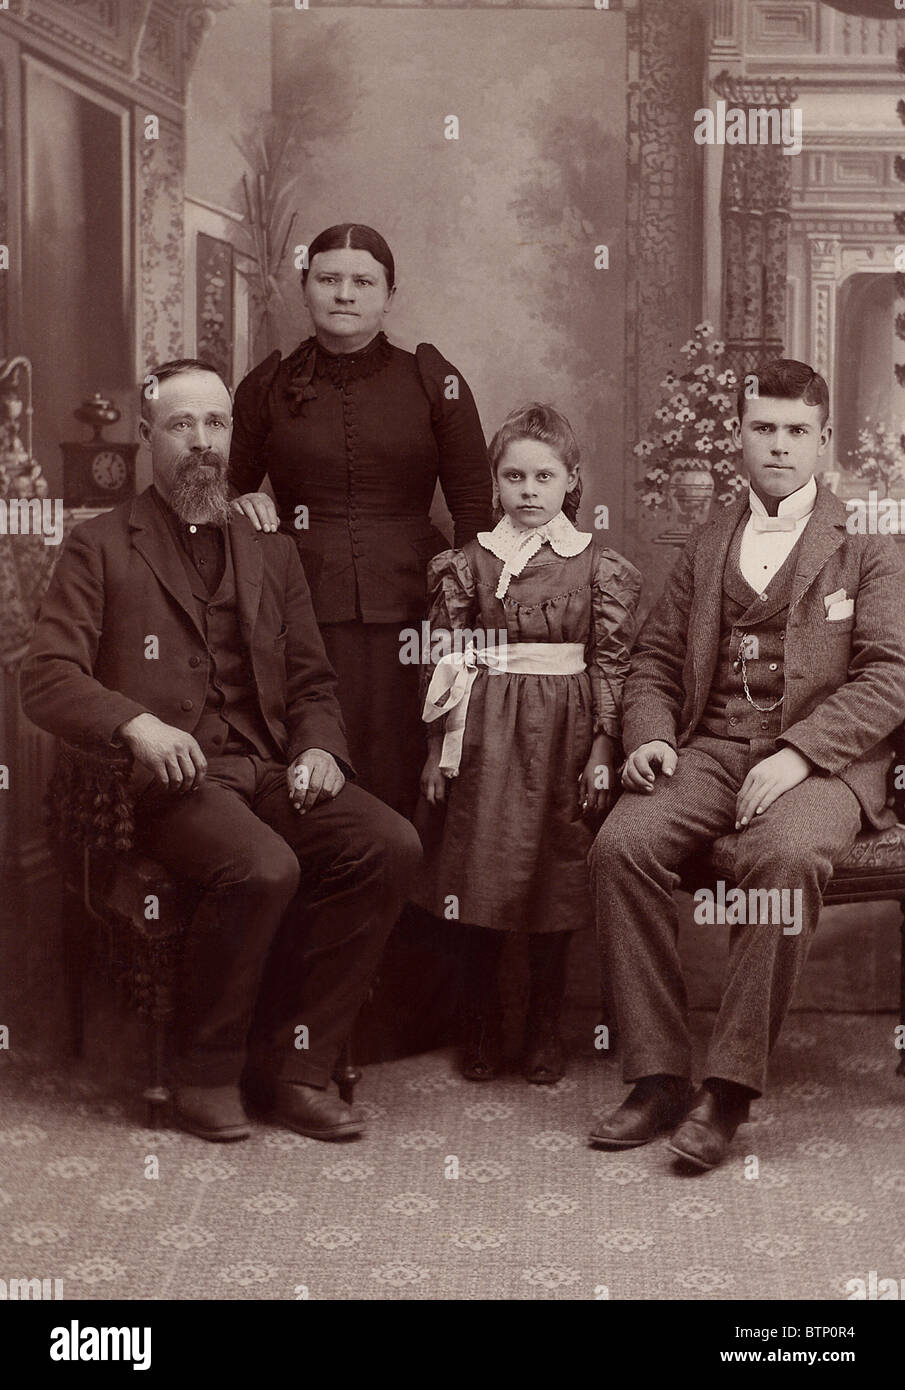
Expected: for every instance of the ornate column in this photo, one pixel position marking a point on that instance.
(823, 276)
(755, 215)
(724, 51)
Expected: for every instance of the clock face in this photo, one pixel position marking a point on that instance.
(108, 469)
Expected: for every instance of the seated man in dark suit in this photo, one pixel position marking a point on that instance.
(174, 627)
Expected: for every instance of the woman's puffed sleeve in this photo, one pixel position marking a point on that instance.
(464, 470)
(451, 591)
(615, 590)
(248, 455)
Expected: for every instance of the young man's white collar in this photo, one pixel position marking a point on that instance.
(796, 506)
(767, 541)
(515, 545)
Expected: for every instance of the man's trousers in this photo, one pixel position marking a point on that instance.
(294, 914)
(634, 863)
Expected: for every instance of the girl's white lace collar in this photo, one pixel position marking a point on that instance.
(515, 546)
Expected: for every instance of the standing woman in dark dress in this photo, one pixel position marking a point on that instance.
(354, 433)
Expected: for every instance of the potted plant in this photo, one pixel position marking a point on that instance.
(879, 457)
(688, 446)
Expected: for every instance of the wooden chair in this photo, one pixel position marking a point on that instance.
(872, 871)
(108, 885)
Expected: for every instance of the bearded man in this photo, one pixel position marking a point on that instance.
(175, 628)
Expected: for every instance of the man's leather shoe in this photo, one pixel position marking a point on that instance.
(257, 1089)
(654, 1106)
(704, 1137)
(211, 1112)
(315, 1113)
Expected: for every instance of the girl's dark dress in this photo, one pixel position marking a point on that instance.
(360, 440)
(514, 846)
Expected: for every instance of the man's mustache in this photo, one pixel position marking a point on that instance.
(190, 462)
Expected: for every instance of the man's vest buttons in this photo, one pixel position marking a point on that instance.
(764, 724)
(187, 705)
(194, 660)
(733, 719)
(774, 665)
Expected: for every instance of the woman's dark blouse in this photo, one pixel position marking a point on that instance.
(362, 450)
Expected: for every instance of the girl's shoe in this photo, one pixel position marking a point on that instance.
(544, 1061)
(482, 1057)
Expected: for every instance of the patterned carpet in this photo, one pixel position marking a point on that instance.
(534, 1213)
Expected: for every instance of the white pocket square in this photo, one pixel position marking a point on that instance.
(844, 608)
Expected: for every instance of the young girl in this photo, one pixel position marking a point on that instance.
(523, 723)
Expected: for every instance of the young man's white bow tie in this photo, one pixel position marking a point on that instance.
(767, 540)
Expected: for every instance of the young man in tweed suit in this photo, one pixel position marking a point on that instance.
(762, 693)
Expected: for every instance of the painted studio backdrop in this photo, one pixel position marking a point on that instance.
(558, 234)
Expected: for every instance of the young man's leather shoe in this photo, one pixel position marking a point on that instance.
(212, 1112)
(315, 1113)
(704, 1136)
(655, 1105)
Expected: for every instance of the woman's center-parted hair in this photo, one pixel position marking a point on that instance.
(353, 236)
(548, 426)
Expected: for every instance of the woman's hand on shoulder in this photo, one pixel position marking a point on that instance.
(260, 509)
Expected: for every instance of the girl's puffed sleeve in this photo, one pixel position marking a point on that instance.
(615, 590)
(248, 455)
(451, 591)
(463, 469)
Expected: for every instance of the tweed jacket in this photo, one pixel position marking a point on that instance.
(844, 678)
(120, 581)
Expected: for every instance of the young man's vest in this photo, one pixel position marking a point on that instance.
(761, 617)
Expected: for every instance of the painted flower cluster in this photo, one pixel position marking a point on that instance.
(880, 455)
(691, 429)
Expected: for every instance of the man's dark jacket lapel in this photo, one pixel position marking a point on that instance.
(707, 607)
(154, 540)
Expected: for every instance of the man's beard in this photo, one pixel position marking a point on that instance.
(201, 492)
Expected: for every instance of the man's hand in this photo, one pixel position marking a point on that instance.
(768, 780)
(641, 766)
(595, 785)
(172, 755)
(260, 510)
(433, 781)
(313, 777)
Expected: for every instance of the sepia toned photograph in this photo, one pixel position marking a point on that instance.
(452, 723)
